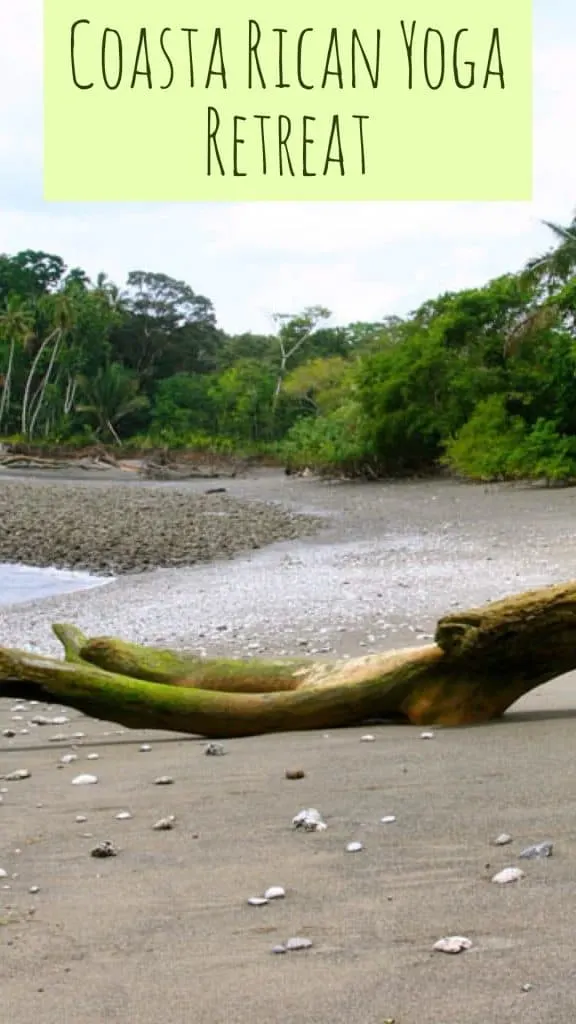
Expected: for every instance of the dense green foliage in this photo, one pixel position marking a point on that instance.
(481, 381)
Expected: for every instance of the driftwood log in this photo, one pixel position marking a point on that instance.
(481, 662)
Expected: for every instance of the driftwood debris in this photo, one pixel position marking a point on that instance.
(19, 461)
(164, 467)
(168, 465)
(481, 662)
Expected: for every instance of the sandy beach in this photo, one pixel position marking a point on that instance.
(163, 931)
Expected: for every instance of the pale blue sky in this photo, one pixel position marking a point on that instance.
(363, 261)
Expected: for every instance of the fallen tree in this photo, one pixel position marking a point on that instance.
(481, 662)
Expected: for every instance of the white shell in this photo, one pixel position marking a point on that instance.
(165, 824)
(85, 780)
(503, 839)
(298, 943)
(275, 892)
(257, 901)
(310, 820)
(452, 944)
(508, 875)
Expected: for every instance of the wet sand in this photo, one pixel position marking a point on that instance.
(163, 932)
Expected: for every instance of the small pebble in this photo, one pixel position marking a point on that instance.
(92, 757)
(368, 738)
(275, 892)
(452, 944)
(121, 816)
(508, 875)
(257, 901)
(85, 780)
(8, 733)
(144, 748)
(527, 987)
(104, 849)
(503, 839)
(80, 818)
(68, 758)
(295, 773)
(163, 780)
(214, 749)
(20, 773)
(426, 735)
(537, 850)
(3, 873)
(60, 720)
(354, 847)
(34, 889)
(165, 824)
(388, 819)
(278, 949)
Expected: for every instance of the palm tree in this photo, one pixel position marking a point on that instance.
(549, 275)
(558, 265)
(110, 396)
(61, 313)
(16, 327)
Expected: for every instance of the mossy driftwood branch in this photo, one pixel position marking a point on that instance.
(481, 662)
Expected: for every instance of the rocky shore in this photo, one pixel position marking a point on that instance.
(117, 528)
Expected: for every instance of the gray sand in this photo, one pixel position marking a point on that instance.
(162, 931)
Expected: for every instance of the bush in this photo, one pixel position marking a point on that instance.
(493, 445)
(482, 447)
(332, 443)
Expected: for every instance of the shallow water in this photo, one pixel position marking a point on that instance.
(19, 583)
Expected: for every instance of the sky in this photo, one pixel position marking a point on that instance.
(363, 261)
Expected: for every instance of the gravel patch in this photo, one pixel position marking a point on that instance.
(115, 529)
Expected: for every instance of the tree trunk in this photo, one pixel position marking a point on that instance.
(5, 399)
(482, 661)
(36, 403)
(30, 378)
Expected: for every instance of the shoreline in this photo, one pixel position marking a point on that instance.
(381, 565)
(116, 527)
(22, 584)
